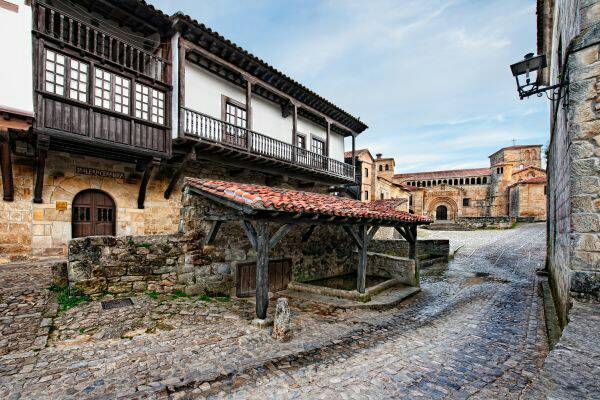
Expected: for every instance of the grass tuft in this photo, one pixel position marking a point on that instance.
(68, 298)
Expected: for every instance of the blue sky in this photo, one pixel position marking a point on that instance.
(431, 78)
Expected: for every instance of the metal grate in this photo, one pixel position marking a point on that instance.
(110, 304)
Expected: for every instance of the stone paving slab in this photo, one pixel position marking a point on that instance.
(475, 330)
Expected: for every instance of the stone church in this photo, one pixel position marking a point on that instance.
(512, 188)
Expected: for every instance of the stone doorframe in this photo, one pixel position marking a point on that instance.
(443, 201)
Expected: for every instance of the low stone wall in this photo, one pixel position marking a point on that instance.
(426, 249)
(387, 266)
(485, 222)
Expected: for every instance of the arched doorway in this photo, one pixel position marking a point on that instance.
(94, 213)
(441, 213)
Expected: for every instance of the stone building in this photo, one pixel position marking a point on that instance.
(120, 102)
(569, 36)
(512, 186)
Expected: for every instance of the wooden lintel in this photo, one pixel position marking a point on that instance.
(212, 234)
(144, 182)
(41, 150)
(280, 234)
(8, 188)
(250, 232)
(308, 233)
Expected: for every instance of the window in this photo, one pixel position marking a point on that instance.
(410, 200)
(102, 86)
(149, 104)
(545, 190)
(366, 195)
(466, 202)
(78, 80)
(121, 95)
(500, 170)
(485, 179)
(55, 73)
(382, 196)
(381, 168)
(387, 167)
(301, 141)
(366, 172)
(235, 114)
(318, 146)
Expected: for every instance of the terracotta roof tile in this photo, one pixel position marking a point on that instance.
(260, 197)
(538, 179)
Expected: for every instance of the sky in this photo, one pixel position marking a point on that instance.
(430, 78)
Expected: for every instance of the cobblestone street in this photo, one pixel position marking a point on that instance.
(475, 330)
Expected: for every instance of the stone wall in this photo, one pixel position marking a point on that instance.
(426, 249)
(574, 157)
(485, 222)
(388, 266)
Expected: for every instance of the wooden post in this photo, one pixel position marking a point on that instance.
(43, 144)
(412, 252)
(6, 166)
(294, 131)
(354, 155)
(361, 274)
(249, 104)
(144, 182)
(262, 269)
(328, 133)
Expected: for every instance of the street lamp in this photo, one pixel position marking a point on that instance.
(528, 74)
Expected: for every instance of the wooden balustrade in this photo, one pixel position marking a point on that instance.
(209, 128)
(81, 35)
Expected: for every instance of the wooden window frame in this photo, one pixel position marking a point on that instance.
(76, 84)
(225, 100)
(312, 147)
(303, 136)
(466, 202)
(54, 74)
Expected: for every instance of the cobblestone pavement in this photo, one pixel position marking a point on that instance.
(475, 330)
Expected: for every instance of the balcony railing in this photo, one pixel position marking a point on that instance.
(81, 35)
(214, 130)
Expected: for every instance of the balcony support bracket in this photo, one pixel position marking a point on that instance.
(189, 156)
(41, 154)
(150, 166)
(6, 166)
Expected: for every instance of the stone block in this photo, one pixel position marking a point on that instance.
(282, 325)
(140, 286)
(585, 223)
(235, 254)
(186, 279)
(60, 275)
(91, 286)
(119, 287)
(221, 268)
(78, 271)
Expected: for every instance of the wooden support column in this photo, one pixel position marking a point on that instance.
(249, 104)
(295, 131)
(262, 269)
(144, 182)
(327, 137)
(6, 166)
(43, 144)
(361, 273)
(410, 235)
(354, 157)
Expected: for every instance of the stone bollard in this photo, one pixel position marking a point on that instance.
(282, 326)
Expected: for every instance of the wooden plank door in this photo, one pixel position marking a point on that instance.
(280, 274)
(93, 214)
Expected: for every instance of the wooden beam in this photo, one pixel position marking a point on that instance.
(354, 156)
(251, 233)
(42, 146)
(280, 234)
(249, 105)
(294, 131)
(189, 156)
(372, 233)
(212, 234)
(144, 182)
(361, 273)
(262, 269)
(327, 136)
(354, 235)
(8, 187)
(308, 233)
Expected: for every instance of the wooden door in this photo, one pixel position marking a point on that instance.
(441, 213)
(280, 274)
(94, 214)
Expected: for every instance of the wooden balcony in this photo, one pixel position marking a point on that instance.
(261, 147)
(71, 32)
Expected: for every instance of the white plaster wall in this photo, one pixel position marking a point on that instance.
(203, 91)
(16, 76)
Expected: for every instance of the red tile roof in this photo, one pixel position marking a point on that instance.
(454, 173)
(261, 198)
(358, 152)
(538, 179)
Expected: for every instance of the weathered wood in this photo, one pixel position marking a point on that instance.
(372, 233)
(42, 146)
(361, 273)
(8, 188)
(280, 234)
(144, 182)
(412, 243)
(251, 233)
(354, 156)
(249, 106)
(212, 234)
(189, 156)
(353, 235)
(308, 233)
(262, 269)
(294, 132)
(327, 136)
